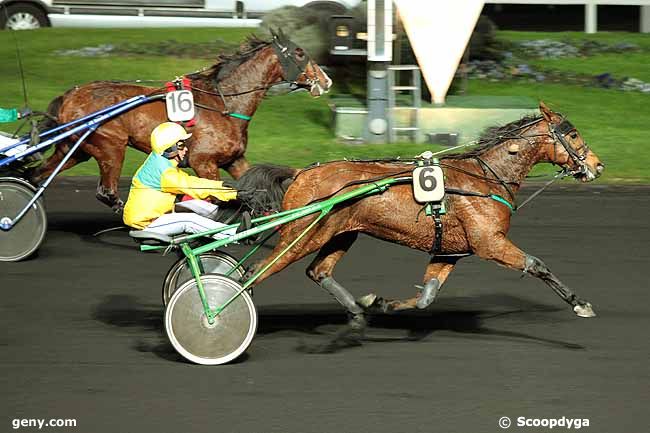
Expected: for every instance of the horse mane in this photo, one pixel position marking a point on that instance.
(271, 182)
(493, 136)
(227, 63)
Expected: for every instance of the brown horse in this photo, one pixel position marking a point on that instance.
(474, 222)
(236, 84)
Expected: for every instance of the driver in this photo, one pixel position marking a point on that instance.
(157, 182)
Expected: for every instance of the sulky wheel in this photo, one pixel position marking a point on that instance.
(194, 337)
(214, 262)
(22, 239)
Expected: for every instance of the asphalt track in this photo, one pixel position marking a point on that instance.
(82, 336)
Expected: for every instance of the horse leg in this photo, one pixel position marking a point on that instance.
(43, 171)
(502, 251)
(320, 271)
(435, 276)
(237, 167)
(109, 155)
(204, 165)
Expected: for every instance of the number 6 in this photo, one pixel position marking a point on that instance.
(185, 101)
(427, 179)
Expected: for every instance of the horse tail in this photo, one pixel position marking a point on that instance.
(272, 182)
(51, 117)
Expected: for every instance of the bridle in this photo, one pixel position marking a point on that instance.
(293, 68)
(558, 133)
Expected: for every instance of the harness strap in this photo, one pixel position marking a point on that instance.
(240, 116)
(502, 200)
(436, 248)
(494, 173)
(494, 197)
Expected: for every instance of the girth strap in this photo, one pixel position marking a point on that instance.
(436, 248)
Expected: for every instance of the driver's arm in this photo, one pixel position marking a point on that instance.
(176, 181)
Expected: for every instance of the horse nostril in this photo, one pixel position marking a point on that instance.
(600, 168)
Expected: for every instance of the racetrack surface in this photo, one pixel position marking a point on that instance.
(82, 334)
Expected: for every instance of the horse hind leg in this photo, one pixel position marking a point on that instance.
(39, 174)
(435, 276)
(110, 158)
(320, 271)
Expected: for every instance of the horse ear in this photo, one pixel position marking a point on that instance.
(546, 112)
(273, 33)
(283, 37)
(513, 148)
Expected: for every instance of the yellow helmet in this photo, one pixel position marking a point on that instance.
(167, 135)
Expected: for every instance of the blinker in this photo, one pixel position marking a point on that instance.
(565, 127)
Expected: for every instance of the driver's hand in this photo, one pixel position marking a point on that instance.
(246, 195)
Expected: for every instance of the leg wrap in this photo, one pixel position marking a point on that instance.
(429, 293)
(341, 295)
(537, 268)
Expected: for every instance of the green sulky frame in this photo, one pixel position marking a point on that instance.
(263, 224)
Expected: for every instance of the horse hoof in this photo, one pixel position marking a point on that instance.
(118, 207)
(357, 324)
(584, 310)
(367, 301)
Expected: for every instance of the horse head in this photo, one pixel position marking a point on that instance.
(298, 68)
(566, 147)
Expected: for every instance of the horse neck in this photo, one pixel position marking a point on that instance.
(514, 167)
(260, 71)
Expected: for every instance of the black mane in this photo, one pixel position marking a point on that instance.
(271, 182)
(227, 63)
(493, 136)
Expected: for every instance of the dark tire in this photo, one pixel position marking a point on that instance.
(214, 262)
(325, 7)
(23, 239)
(22, 16)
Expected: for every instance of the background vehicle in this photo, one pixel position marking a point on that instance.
(32, 14)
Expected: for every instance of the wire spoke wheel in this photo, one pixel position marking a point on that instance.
(201, 342)
(214, 262)
(24, 238)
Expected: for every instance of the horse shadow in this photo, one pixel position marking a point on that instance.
(320, 321)
(451, 315)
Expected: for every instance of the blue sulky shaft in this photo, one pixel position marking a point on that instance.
(96, 118)
(26, 140)
(87, 128)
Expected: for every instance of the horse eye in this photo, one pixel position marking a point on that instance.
(300, 54)
(574, 135)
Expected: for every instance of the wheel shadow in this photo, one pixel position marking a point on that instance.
(462, 317)
(126, 311)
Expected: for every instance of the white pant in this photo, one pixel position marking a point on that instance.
(172, 224)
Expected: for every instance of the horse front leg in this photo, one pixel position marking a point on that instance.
(502, 251)
(435, 276)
